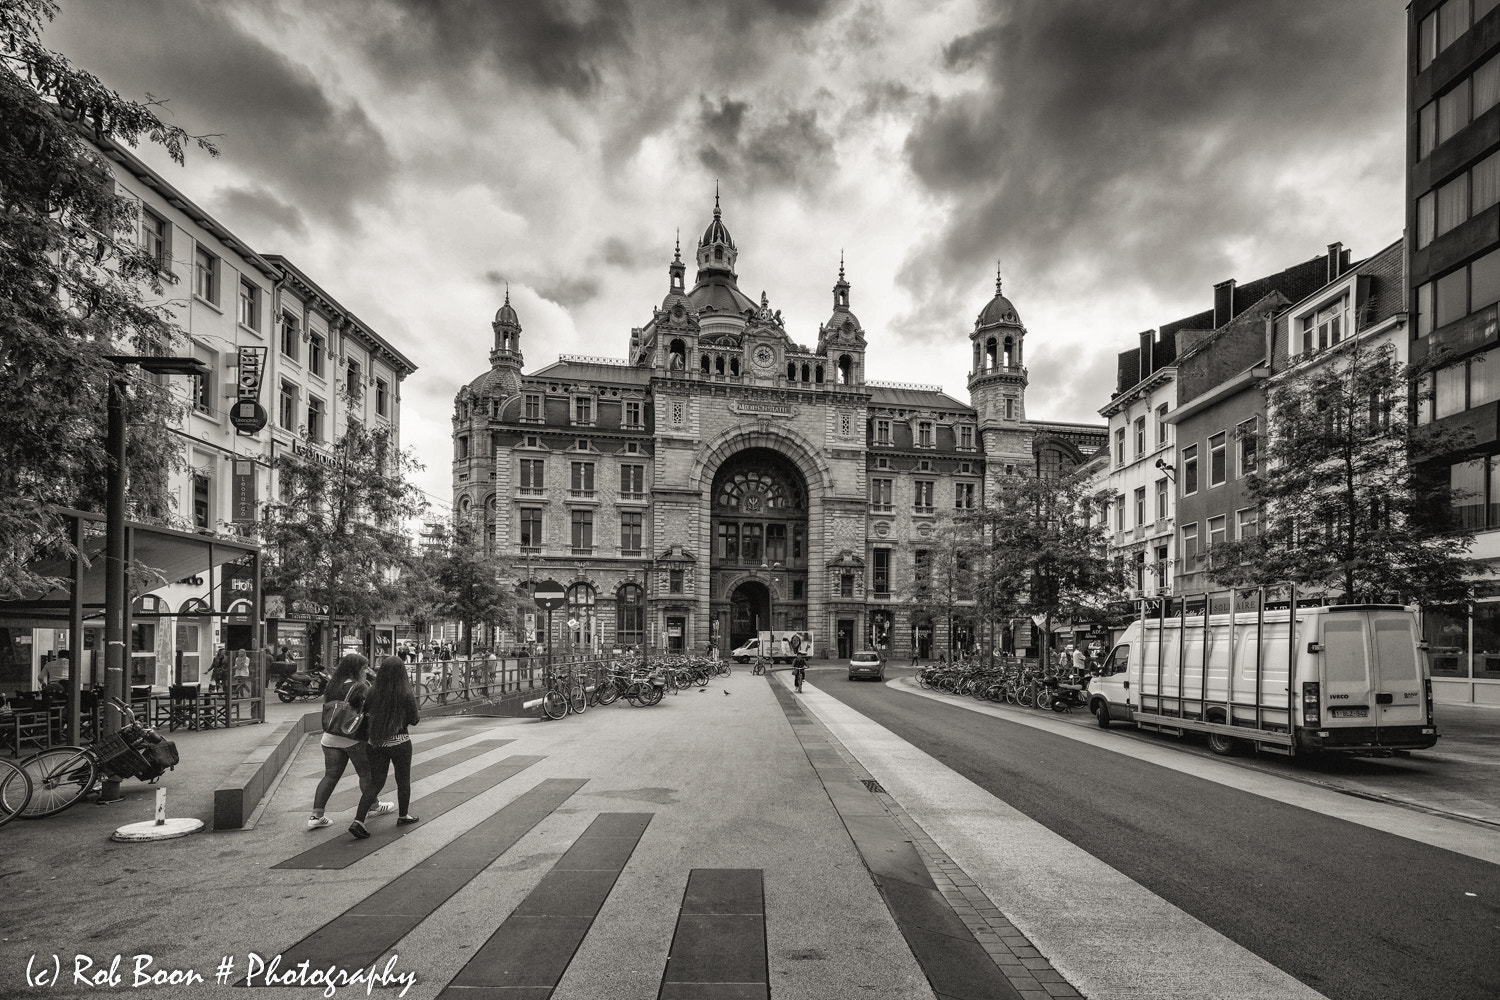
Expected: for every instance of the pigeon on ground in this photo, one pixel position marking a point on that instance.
(726, 694)
(703, 690)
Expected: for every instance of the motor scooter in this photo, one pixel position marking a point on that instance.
(1069, 691)
(302, 684)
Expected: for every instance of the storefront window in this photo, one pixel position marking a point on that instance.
(1486, 640)
(1446, 629)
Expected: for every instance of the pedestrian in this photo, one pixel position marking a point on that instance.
(218, 671)
(241, 674)
(1080, 660)
(347, 683)
(799, 669)
(390, 709)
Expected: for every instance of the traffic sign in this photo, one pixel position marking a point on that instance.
(549, 595)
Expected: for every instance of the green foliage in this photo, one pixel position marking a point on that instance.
(74, 287)
(1351, 498)
(1045, 552)
(945, 592)
(336, 537)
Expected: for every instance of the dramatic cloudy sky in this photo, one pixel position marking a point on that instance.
(1118, 158)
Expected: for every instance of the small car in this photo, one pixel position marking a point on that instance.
(867, 663)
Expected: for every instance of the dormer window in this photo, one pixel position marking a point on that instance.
(924, 434)
(1325, 327)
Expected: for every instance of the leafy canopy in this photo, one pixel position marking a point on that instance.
(1352, 498)
(75, 286)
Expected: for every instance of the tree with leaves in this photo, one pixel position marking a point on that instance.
(336, 537)
(944, 578)
(474, 585)
(1045, 552)
(1352, 499)
(75, 286)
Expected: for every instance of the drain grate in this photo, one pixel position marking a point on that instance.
(872, 785)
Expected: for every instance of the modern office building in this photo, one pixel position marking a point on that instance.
(1453, 233)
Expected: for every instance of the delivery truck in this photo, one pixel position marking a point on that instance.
(1349, 678)
(776, 647)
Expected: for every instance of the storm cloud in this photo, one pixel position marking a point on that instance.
(753, 151)
(1145, 142)
(274, 118)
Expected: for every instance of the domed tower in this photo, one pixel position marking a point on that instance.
(842, 339)
(997, 386)
(716, 250)
(505, 358)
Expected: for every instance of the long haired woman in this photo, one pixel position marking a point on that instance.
(348, 681)
(390, 710)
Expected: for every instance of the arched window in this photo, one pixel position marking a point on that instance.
(718, 253)
(846, 369)
(581, 610)
(818, 374)
(734, 366)
(719, 365)
(805, 375)
(976, 357)
(704, 365)
(989, 355)
(630, 615)
(463, 505)
(791, 371)
(677, 355)
(1009, 348)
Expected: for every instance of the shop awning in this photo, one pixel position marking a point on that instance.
(171, 553)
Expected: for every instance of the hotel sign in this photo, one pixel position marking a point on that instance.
(247, 415)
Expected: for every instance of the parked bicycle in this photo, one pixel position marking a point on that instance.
(61, 776)
(15, 791)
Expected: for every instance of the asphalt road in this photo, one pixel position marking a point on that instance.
(1353, 912)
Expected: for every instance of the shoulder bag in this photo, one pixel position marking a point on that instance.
(341, 718)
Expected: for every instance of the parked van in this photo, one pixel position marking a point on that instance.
(776, 647)
(1348, 678)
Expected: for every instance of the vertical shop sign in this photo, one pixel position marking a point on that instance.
(243, 489)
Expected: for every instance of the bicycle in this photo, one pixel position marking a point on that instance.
(15, 791)
(61, 776)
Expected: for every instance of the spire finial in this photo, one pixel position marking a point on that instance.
(677, 253)
(997, 275)
(841, 263)
(507, 293)
(716, 197)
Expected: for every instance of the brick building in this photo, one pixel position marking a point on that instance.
(724, 478)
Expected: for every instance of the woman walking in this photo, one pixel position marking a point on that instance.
(347, 683)
(390, 708)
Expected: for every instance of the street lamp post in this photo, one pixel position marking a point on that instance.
(116, 594)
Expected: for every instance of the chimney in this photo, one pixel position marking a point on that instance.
(1344, 262)
(1223, 303)
(1336, 260)
(1147, 364)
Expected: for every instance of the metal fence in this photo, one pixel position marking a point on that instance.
(447, 682)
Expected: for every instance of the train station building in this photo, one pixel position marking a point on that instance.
(725, 477)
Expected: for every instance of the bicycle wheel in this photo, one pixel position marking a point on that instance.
(608, 692)
(59, 778)
(577, 698)
(15, 791)
(554, 705)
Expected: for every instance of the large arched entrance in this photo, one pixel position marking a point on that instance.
(758, 516)
(749, 611)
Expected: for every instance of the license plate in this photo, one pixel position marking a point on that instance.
(1351, 713)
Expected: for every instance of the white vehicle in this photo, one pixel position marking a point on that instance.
(776, 647)
(1350, 678)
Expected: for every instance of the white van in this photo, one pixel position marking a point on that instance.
(776, 647)
(1351, 678)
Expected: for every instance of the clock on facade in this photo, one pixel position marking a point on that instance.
(764, 356)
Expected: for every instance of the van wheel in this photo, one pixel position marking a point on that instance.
(1101, 713)
(1223, 746)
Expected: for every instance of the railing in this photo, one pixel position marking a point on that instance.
(450, 682)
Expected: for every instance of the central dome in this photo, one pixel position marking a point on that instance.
(716, 232)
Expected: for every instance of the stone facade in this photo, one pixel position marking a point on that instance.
(724, 478)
